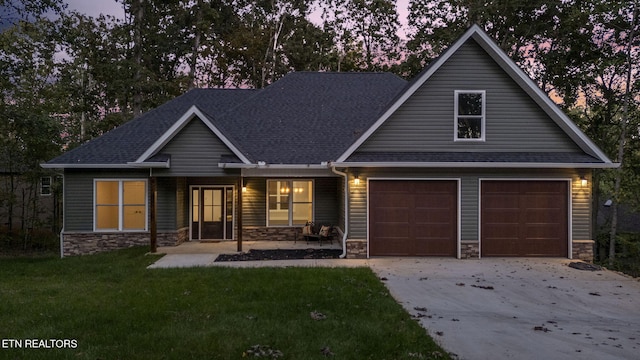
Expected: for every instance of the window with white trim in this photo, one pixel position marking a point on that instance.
(45, 186)
(289, 202)
(469, 115)
(120, 205)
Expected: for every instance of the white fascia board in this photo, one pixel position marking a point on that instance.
(181, 123)
(151, 164)
(272, 166)
(537, 94)
(85, 166)
(501, 165)
(431, 69)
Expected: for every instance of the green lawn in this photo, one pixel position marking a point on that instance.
(114, 308)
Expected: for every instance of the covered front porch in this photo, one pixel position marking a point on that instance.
(237, 213)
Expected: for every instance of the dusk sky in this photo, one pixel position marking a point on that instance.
(96, 7)
(111, 7)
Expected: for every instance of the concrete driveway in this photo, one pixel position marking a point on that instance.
(518, 308)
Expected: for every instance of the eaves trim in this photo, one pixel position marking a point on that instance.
(501, 165)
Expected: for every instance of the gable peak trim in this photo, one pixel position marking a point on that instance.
(193, 112)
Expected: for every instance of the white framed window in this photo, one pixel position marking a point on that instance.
(289, 202)
(469, 116)
(45, 186)
(120, 205)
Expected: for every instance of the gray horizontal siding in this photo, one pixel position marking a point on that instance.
(78, 195)
(254, 202)
(326, 208)
(182, 203)
(425, 122)
(195, 151)
(326, 201)
(469, 187)
(167, 204)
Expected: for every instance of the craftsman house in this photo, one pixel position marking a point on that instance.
(470, 159)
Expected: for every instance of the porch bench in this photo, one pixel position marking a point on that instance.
(317, 233)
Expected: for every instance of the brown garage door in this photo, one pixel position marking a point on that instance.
(524, 218)
(413, 218)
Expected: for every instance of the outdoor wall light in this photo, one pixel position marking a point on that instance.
(356, 181)
(583, 181)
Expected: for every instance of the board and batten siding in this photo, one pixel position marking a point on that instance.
(78, 195)
(194, 151)
(425, 122)
(469, 195)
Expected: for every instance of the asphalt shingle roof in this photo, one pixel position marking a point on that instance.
(304, 118)
(130, 140)
(310, 117)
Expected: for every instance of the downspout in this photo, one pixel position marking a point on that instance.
(346, 210)
(64, 191)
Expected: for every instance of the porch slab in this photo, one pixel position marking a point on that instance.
(199, 254)
(183, 261)
(231, 247)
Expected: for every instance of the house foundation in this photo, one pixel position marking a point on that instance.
(469, 250)
(356, 249)
(583, 250)
(92, 243)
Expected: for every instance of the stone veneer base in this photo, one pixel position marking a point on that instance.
(93, 243)
(356, 249)
(470, 250)
(583, 250)
(263, 233)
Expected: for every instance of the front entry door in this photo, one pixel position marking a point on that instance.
(212, 213)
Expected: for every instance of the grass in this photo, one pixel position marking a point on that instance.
(117, 309)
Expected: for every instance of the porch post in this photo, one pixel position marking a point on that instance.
(239, 219)
(153, 226)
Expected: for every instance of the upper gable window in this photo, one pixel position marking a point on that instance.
(469, 115)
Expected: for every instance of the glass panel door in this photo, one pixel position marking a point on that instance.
(211, 213)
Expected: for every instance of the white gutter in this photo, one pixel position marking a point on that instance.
(151, 164)
(346, 210)
(128, 165)
(453, 164)
(262, 165)
(85, 166)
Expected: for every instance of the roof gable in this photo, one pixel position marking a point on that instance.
(124, 146)
(193, 113)
(477, 36)
(426, 121)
